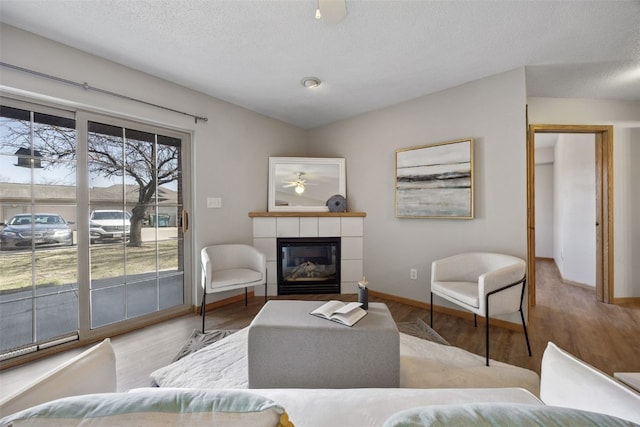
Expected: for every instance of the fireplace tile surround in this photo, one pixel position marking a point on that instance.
(349, 226)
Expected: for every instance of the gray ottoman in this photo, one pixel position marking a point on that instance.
(290, 348)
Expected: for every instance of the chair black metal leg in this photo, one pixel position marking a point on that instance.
(204, 296)
(524, 326)
(526, 335)
(475, 320)
(487, 337)
(486, 318)
(246, 298)
(265, 293)
(431, 311)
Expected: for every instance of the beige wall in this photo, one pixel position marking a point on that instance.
(625, 119)
(492, 111)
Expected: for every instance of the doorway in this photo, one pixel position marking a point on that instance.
(604, 205)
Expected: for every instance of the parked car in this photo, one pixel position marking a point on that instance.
(42, 229)
(105, 225)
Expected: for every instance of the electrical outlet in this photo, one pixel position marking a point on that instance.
(414, 274)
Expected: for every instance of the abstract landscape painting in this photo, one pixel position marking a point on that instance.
(435, 181)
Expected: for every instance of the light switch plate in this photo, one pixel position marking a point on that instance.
(214, 202)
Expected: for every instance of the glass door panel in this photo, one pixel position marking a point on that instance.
(108, 304)
(38, 256)
(107, 220)
(16, 288)
(55, 273)
(168, 223)
(142, 254)
(136, 259)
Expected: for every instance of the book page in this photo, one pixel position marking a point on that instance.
(349, 318)
(327, 309)
(347, 314)
(348, 307)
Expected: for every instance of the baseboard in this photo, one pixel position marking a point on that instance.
(446, 310)
(627, 300)
(223, 302)
(407, 301)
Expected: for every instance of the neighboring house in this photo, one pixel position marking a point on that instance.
(15, 198)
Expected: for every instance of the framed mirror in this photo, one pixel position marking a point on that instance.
(299, 184)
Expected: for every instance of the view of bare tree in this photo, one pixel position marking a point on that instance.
(147, 160)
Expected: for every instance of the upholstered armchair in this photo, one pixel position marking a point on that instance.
(483, 283)
(231, 266)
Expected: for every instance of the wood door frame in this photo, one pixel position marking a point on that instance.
(604, 205)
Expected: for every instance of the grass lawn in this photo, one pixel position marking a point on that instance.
(58, 266)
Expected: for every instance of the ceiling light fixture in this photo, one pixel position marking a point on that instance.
(299, 188)
(310, 82)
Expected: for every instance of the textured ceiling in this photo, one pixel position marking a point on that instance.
(254, 53)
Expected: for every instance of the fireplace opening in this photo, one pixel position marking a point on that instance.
(308, 265)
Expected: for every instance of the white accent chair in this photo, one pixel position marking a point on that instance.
(231, 266)
(469, 279)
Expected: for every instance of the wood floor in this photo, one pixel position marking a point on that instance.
(604, 335)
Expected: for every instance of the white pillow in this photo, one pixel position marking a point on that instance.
(171, 407)
(571, 383)
(501, 414)
(92, 371)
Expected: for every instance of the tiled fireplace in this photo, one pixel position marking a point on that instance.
(306, 227)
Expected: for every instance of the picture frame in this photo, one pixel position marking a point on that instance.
(435, 181)
(316, 179)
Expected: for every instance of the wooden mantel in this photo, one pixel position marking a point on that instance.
(307, 214)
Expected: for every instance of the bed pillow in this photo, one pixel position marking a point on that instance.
(501, 414)
(159, 407)
(571, 383)
(92, 371)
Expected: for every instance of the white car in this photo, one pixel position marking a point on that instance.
(107, 225)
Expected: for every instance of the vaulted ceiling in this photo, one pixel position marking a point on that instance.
(255, 53)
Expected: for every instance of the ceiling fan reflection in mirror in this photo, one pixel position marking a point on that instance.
(299, 183)
(331, 11)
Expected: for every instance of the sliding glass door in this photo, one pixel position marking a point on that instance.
(135, 199)
(92, 237)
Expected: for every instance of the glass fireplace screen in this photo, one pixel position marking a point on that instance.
(308, 265)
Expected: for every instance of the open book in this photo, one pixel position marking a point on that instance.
(338, 311)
